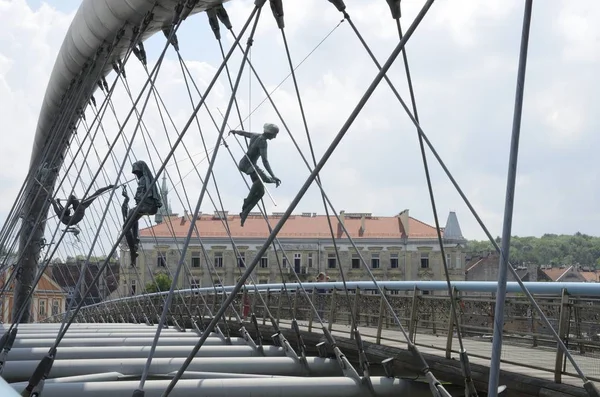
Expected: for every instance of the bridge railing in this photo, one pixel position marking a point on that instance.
(573, 309)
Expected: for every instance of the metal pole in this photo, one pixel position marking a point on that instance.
(508, 208)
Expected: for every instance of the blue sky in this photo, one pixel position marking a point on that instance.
(463, 59)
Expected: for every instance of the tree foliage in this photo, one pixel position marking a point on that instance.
(163, 283)
(550, 249)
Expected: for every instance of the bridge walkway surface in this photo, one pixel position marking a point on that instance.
(526, 370)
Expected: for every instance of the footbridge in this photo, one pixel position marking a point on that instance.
(279, 325)
(106, 135)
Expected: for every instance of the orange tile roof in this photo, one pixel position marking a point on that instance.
(591, 276)
(46, 284)
(555, 273)
(297, 226)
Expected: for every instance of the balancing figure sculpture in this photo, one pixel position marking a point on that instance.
(256, 148)
(78, 207)
(148, 206)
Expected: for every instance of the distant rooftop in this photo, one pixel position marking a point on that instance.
(304, 225)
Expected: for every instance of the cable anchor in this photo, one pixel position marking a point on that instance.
(39, 376)
(277, 8)
(339, 4)
(173, 41)
(213, 21)
(259, 336)
(347, 368)
(395, 8)
(6, 344)
(223, 16)
(301, 345)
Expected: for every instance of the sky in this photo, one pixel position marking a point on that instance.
(463, 60)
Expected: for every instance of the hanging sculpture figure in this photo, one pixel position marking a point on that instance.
(73, 203)
(149, 206)
(248, 165)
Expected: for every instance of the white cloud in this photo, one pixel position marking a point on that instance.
(463, 60)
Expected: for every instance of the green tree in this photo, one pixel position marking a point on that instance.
(162, 283)
(550, 249)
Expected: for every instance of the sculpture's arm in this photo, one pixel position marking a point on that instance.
(263, 154)
(244, 133)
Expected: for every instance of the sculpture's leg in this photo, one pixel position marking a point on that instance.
(58, 209)
(131, 237)
(256, 193)
(86, 203)
(72, 201)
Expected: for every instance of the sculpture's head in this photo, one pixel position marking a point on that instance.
(138, 168)
(270, 130)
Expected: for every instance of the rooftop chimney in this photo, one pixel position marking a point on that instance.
(340, 229)
(404, 217)
(184, 217)
(362, 229)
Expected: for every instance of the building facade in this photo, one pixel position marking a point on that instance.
(48, 299)
(394, 248)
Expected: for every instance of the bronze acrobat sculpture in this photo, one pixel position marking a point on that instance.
(256, 148)
(149, 206)
(77, 206)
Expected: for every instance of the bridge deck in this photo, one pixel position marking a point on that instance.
(523, 370)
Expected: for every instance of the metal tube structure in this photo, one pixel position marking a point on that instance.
(164, 341)
(83, 335)
(494, 376)
(96, 352)
(535, 287)
(20, 371)
(266, 387)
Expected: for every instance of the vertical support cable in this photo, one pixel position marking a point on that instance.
(508, 208)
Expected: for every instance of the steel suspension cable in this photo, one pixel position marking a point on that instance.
(24, 307)
(303, 190)
(263, 212)
(490, 237)
(256, 11)
(224, 221)
(130, 221)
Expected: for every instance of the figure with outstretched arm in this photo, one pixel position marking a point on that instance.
(257, 147)
(77, 206)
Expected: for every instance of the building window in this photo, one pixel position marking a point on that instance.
(242, 259)
(331, 261)
(195, 283)
(195, 259)
(355, 261)
(133, 287)
(285, 261)
(218, 259)
(55, 307)
(297, 262)
(42, 307)
(394, 261)
(457, 262)
(449, 261)
(264, 262)
(161, 259)
(375, 261)
(310, 259)
(425, 260)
